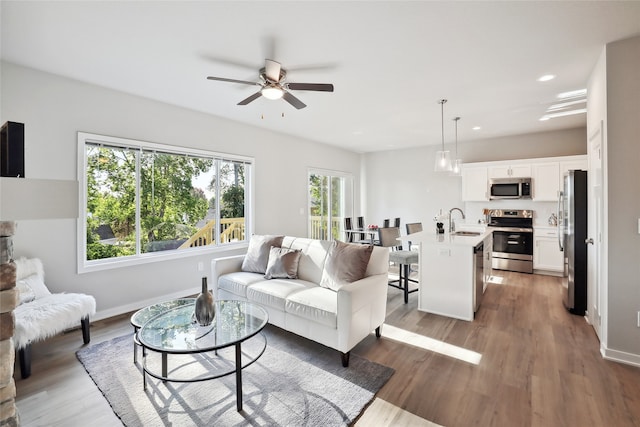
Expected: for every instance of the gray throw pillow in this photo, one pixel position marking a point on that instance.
(283, 263)
(258, 253)
(346, 263)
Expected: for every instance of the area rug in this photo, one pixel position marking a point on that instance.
(296, 382)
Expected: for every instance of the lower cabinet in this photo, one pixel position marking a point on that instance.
(546, 251)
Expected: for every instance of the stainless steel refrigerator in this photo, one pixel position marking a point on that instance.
(572, 236)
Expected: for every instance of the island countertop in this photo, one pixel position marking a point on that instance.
(449, 271)
(433, 238)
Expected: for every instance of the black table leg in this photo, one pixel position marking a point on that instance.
(239, 377)
(164, 366)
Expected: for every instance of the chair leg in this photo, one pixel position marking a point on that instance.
(379, 331)
(406, 282)
(24, 354)
(84, 322)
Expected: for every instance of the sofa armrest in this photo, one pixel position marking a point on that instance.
(362, 307)
(222, 266)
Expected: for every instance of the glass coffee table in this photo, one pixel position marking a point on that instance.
(142, 316)
(176, 332)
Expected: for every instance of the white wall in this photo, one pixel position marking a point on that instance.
(623, 203)
(54, 109)
(402, 183)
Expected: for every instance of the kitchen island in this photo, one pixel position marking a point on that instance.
(452, 274)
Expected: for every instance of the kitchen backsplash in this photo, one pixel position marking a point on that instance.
(541, 210)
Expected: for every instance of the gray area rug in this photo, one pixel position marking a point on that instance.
(296, 382)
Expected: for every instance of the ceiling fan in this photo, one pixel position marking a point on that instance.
(273, 85)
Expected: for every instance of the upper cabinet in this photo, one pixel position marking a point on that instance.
(474, 184)
(510, 171)
(546, 175)
(546, 179)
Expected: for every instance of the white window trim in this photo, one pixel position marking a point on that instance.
(84, 266)
(333, 173)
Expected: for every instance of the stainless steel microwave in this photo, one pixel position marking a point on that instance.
(509, 188)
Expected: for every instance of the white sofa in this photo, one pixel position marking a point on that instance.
(338, 318)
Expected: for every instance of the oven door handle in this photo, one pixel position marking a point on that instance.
(512, 242)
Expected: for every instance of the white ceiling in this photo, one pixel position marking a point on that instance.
(389, 61)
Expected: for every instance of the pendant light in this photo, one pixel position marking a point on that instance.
(443, 158)
(456, 167)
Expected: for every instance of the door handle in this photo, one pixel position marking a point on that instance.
(588, 241)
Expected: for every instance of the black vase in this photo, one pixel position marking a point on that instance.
(205, 306)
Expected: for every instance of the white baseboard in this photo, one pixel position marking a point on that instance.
(620, 356)
(137, 305)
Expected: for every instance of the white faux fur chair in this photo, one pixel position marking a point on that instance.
(41, 314)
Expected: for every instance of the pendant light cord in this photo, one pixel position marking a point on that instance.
(442, 119)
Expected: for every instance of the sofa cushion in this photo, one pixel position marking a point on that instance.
(237, 282)
(273, 293)
(258, 253)
(283, 263)
(317, 304)
(314, 254)
(346, 263)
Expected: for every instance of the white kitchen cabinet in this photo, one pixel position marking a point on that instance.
(510, 171)
(474, 184)
(547, 256)
(546, 181)
(565, 166)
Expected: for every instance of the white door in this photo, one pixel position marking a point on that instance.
(595, 303)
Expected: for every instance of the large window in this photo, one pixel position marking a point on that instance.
(330, 201)
(145, 200)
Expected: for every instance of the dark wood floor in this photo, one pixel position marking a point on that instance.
(539, 366)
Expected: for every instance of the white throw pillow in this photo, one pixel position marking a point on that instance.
(32, 286)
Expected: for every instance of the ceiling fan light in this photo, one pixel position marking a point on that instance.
(272, 92)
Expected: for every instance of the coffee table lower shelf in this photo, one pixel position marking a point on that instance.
(237, 369)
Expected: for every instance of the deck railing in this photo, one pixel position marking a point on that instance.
(318, 229)
(232, 230)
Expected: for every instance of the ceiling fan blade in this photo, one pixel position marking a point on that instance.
(223, 79)
(320, 87)
(272, 70)
(250, 99)
(293, 100)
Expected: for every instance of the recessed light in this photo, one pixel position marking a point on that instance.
(476, 128)
(546, 78)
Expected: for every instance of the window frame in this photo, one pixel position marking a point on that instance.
(84, 265)
(349, 206)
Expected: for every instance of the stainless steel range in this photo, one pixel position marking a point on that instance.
(512, 239)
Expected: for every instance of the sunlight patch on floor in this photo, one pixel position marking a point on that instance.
(431, 344)
(382, 413)
(496, 279)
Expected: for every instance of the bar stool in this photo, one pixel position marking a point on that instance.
(404, 259)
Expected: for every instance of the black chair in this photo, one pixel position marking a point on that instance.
(361, 237)
(385, 223)
(396, 222)
(348, 226)
(404, 259)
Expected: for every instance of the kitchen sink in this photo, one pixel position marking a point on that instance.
(467, 233)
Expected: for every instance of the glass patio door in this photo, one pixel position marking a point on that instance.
(330, 201)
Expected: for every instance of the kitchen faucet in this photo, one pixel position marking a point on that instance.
(452, 225)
